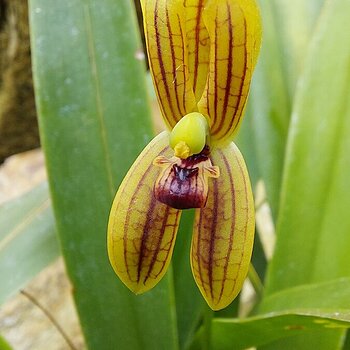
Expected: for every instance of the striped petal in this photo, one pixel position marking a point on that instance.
(224, 231)
(165, 32)
(234, 28)
(198, 45)
(141, 230)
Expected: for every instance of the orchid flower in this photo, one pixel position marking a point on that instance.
(202, 54)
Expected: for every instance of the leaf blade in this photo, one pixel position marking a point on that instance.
(313, 199)
(310, 309)
(28, 241)
(94, 120)
(273, 87)
(307, 156)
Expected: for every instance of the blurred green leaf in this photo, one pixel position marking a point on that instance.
(287, 26)
(189, 302)
(313, 241)
(246, 144)
(94, 120)
(28, 240)
(259, 260)
(255, 331)
(4, 345)
(295, 21)
(347, 341)
(306, 309)
(333, 294)
(269, 107)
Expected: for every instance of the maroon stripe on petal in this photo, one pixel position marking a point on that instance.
(198, 253)
(229, 73)
(246, 213)
(196, 60)
(160, 58)
(230, 245)
(184, 69)
(240, 93)
(159, 243)
(145, 236)
(172, 240)
(133, 198)
(212, 233)
(216, 69)
(173, 59)
(238, 108)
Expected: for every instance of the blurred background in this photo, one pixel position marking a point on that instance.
(298, 180)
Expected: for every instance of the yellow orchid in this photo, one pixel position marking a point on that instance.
(202, 54)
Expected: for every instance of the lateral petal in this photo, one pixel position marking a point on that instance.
(165, 32)
(141, 230)
(234, 28)
(224, 231)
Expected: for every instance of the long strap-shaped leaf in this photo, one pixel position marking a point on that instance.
(324, 307)
(313, 241)
(287, 27)
(93, 113)
(28, 241)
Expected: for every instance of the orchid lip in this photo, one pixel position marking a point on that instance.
(179, 195)
(183, 184)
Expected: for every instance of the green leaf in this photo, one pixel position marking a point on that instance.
(4, 345)
(28, 240)
(295, 21)
(269, 104)
(94, 120)
(259, 261)
(313, 241)
(306, 309)
(287, 26)
(246, 144)
(326, 295)
(189, 302)
(347, 341)
(255, 331)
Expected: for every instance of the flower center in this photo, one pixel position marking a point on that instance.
(183, 183)
(190, 135)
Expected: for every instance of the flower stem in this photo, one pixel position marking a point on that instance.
(206, 336)
(255, 281)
